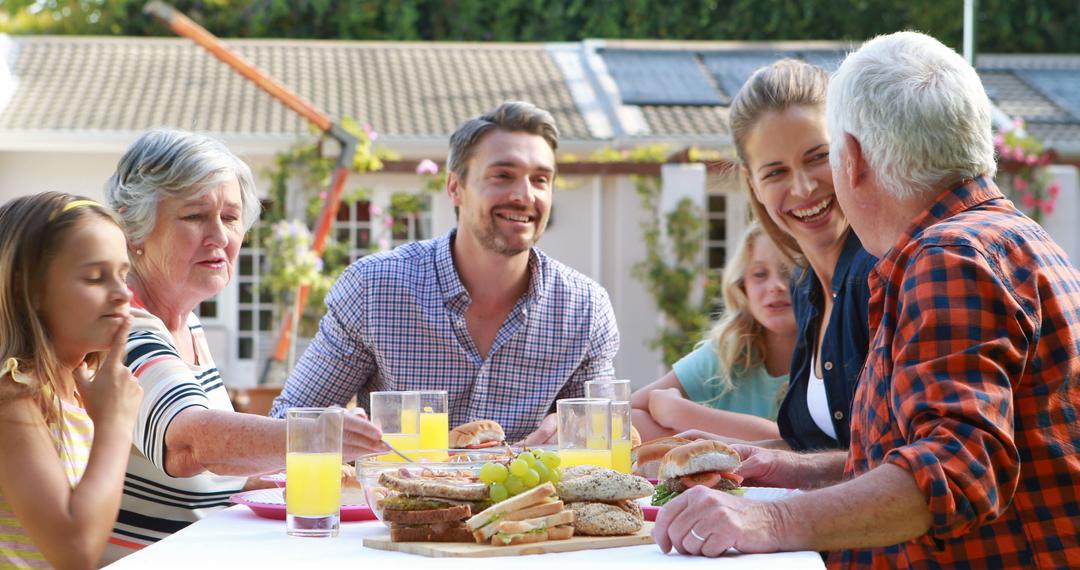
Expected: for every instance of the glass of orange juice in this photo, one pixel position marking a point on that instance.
(584, 426)
(313, 471)
(397, 414)
(618, 391)
(434, 424)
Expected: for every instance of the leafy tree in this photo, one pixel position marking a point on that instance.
(1026, 26)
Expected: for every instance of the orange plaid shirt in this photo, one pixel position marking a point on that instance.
(972, 384)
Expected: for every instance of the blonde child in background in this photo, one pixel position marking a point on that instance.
(67, 402)
(732, 383)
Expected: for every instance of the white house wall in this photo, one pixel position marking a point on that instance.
(1064, 223)
(24, 173)
(596, 230)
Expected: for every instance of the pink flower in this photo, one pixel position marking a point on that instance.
(375, 210)
(370, 132)
(427, 166)
(1020, 183)
(1029, 201)
(388, 221)
(1018, 122)
(999, 140)
(322, 195)
(1048, 207)
(1054, 189)
(1018, 154)
(1032, 159)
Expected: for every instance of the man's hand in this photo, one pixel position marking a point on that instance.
(779, 468)
(360, 436)
(545, 433)
(719, 521)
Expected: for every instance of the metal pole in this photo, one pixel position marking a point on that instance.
(969, 32)
(187, 28)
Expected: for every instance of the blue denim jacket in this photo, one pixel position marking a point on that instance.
(843, 351)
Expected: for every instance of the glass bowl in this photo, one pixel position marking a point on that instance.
(460, 466)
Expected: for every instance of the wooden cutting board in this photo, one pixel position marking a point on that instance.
(473, 550)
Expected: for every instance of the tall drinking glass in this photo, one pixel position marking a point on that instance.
(434, 424)
(584, 426)
(397, 414)
(618, 391)
(313, 471)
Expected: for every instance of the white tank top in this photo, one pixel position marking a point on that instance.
(818, 402)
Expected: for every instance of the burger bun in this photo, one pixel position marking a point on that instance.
(698, 457)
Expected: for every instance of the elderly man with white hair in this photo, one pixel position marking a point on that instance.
(964, 432)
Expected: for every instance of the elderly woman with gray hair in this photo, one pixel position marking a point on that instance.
(186, 202)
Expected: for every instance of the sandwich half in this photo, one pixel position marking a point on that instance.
(537, 503)
(550, 527)
(703, 462)
(645, 458)
(430, 509)
(479, 434)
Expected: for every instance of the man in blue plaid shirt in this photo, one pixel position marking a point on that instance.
(478, 312)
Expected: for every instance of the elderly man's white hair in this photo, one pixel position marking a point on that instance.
(918, 110)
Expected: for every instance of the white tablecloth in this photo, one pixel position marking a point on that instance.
(236, 538)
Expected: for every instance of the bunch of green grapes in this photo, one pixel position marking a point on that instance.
(527, 470)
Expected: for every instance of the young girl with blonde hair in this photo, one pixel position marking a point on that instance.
(67, 402)
(732, 382)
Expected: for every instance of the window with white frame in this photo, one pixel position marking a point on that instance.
(716, 241)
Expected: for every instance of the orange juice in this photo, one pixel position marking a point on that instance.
(312, 484)
(572, 457)
(402, 442)
(408, 422)
(616, 427)
(435, 434)
(620, 455)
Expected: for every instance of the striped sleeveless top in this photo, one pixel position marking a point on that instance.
(154, 504)
(16, 550)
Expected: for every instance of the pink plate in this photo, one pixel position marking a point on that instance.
(277, 479)
(270, 504)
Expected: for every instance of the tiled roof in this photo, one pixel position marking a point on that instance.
(1018, 99)
(90, 84)
(129, 84)
(1042, 89)
(676, 120)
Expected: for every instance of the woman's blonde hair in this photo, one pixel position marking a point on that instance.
(737, 337)
(774, 88)
(32, 231)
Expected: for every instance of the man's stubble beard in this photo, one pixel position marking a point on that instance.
(491, 240)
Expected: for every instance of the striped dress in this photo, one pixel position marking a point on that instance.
(16, 550)
(155, 505)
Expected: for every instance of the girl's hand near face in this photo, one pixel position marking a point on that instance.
(111, 395)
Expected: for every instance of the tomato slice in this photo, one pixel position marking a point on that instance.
(484, 445)
(737, 479)
(709, 479)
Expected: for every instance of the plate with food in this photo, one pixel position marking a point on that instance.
(481, 503)
(270, 504)
(278, 479)
(703, 463)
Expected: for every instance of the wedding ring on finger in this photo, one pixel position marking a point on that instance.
(696, 535)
